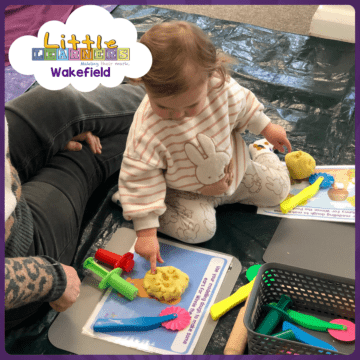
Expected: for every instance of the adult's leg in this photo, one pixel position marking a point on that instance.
(41, 122)
(57, 187)
(57, 195)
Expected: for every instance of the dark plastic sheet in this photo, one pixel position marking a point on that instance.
(306, 84)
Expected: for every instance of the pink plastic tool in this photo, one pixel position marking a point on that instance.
(347, 335)
(125, 262)
(180, 323)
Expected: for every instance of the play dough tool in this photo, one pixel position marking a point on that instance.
(252, 271)
(173, 318)
(299, 199)
(348, 335)
(182, 321)
(125, 262)
(308, 321)
(112, 279)
(222, 307)
(274, 316)
(306, 338)
(326, 183)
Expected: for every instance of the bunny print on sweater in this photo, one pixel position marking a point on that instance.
(215, 169)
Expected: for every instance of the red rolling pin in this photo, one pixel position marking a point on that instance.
(125, 262)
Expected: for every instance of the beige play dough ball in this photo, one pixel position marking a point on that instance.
(300, 164)
(168, 284)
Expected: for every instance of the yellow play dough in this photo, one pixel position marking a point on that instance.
(300, 164)
(167, 284)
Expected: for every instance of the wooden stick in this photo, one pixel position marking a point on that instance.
(238, 338)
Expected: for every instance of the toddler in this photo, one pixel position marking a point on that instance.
(185, 154)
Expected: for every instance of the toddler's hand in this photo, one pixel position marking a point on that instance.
(89, 137)
(222, 185)
(276, 135)
(147, 246)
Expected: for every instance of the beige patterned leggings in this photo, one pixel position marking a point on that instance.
(191, 217)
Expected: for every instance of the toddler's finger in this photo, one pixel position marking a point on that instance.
(159, 258)
(288, 145)
(153, 264)
(278, 147)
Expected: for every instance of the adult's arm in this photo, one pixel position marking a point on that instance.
(30, 279)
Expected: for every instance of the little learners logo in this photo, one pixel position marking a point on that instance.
(92, 48)
(53, 52)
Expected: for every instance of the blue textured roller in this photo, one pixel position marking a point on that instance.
(136, 324)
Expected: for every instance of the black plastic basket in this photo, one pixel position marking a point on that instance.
(324, 296)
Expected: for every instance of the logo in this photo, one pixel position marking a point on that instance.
(92, 48)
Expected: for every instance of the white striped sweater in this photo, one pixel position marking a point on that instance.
(157, 155)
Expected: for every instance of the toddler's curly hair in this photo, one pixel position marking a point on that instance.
(176, 46)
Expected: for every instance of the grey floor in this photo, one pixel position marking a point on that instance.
(288, 18)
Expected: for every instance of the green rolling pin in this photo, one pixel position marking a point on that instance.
(274, 316)
(111, 278)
